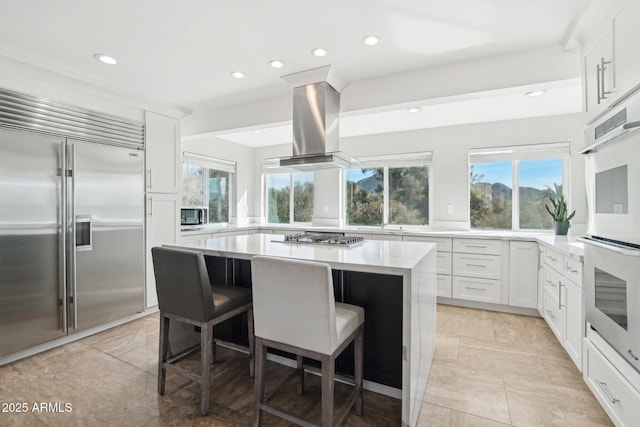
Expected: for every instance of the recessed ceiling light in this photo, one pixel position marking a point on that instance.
(238, 74)
(413, 109)
(105, 59)
(371, 40)
(257, 131)
(319, 52)
(536, 93)
(276, 63)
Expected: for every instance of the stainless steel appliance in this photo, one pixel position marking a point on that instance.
(612, 294)
(612, 171)
(71, 234)
(323, 238)
(612, 250)
(194, 216)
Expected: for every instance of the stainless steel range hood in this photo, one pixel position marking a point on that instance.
(316, 106)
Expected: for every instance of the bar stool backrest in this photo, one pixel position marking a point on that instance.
(182, 283)
(293, 302)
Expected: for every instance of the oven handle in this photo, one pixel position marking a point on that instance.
(631, 125)
(622, 251)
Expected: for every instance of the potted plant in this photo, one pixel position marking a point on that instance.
(558, 209)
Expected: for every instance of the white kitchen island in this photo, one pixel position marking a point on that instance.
(371, 264)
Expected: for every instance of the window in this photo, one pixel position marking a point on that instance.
(283, 205)
(393, 190)
(506, 185)
(207, 182)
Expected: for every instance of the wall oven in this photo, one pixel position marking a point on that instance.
(612, 174)
(612, 249)
(612, 295)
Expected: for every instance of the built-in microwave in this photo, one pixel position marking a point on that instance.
(194, 216)
(612, 295)
(612, 174)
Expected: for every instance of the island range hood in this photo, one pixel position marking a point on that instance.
(316, 106)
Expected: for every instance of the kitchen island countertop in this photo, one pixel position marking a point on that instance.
(413, 264)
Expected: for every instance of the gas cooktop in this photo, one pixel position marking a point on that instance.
(323, 238)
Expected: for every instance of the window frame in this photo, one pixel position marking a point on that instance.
(385, 162)
(211, 163)
(516, 154)
(267, 170)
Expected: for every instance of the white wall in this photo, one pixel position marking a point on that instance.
(247, 180)
(450, 147)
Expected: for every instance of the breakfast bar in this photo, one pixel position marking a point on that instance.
(395, 282)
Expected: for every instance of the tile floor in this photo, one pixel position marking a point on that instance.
(490, 369)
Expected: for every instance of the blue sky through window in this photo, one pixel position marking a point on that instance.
(538, 173)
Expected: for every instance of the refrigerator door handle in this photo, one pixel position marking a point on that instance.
(71, 242)
(62, 215)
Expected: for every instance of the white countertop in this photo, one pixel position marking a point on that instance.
(567, 245)
(374, 256)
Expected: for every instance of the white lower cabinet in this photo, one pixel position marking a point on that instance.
(443, 282)
(619, 398)
(574, 323)
(563, 305)
(162, 220)
(443, 260)
(523, 274)
(477, 289)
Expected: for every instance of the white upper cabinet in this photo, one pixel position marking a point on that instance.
(598, 74)
(626, 32)
(162, 152)
(611, 62)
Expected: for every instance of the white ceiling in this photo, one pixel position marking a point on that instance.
(181, 53)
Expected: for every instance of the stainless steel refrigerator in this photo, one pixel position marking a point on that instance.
(71, 236)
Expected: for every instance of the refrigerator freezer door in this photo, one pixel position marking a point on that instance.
(31, 242)
(108, 215)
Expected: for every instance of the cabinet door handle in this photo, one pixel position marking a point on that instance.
(603, 387)
(476, 265)
(552, 258)
(477, 246)
(602, 70)
(571, 270)
(551, 314)
(598, 83)
(560, 296)
(475, 289)
(149, 182)
(551, 283)
(150, 204)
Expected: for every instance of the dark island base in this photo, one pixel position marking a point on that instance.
(380, 295)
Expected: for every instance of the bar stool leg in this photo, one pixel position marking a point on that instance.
(300, 369)
(258, 399)
(162, 353)
(206, 356)
(328, 372)
(358, 365)
(252, 350)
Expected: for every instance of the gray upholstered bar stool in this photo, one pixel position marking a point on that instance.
(185, 295)
(295, 311)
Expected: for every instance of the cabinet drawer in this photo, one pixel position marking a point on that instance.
(444, 262)
(554, 316)
(483, 266)
(552, 281)
(478, 246)
(483, 290)
(443, 243)
(573, 270)
(444, 286)
(554, 259)
(615, 393)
